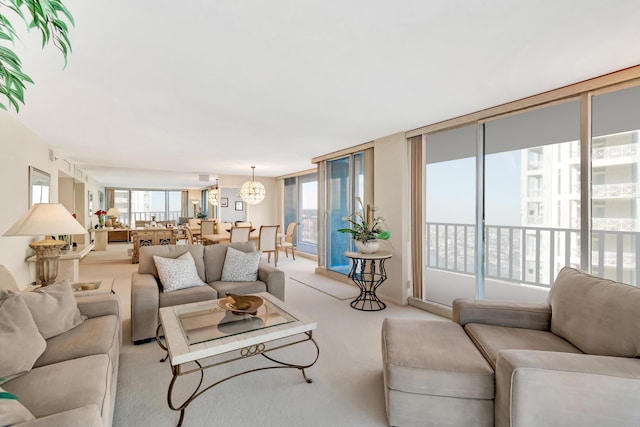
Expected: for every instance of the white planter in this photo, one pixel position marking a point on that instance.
(367, 248)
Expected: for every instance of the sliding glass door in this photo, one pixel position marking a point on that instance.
(344, 182)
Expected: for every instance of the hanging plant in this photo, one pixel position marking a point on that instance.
(52, 19)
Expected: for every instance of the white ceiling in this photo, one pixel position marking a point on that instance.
(157, 92)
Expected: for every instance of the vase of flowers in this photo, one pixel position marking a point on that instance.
(366, 228)
(101, 214)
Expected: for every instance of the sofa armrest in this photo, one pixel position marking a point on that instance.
(145, 303)
(553, 388)
(501, 313)
(274, 279)
(85, 416)
(99, 305)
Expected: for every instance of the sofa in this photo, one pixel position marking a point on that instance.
(73, 382)
(571, 361)
(148, 293)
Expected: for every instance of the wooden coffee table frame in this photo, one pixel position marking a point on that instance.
(262, 347)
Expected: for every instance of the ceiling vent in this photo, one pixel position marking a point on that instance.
(204, 178)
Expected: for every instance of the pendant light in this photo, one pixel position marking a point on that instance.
(252, 192)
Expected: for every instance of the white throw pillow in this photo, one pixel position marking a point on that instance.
(240, 266)
(54, 309)
(11, 411)
(177, 273)
(20, 341)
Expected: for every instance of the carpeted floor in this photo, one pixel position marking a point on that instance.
(347, 379)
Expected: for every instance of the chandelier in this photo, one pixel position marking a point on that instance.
(213, 195)
(252, 192)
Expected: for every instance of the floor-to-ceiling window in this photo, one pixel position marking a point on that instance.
(560, 188)
(531, 207)
(615, 185)
(450, 211)
(146, 204)
(301, 206)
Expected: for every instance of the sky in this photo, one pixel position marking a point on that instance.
(451, 190)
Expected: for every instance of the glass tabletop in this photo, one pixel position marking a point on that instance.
(211, 322)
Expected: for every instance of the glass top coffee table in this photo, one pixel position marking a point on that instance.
(200, 330)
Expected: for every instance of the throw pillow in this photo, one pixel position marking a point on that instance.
(11, 411)
(54, 309)
(20, 342)
(240, 266)
(177, 273)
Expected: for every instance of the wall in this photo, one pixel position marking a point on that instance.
(19, 149)
(264, 213)
(391, 195)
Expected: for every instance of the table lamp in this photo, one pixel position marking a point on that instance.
(49, 219)
(113, 214)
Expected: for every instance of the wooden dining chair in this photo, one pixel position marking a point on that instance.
(239, 234)
(268, 242)
(288, 242)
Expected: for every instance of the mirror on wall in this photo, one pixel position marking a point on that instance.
(39, 185)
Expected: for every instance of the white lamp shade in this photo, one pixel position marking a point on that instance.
(113, 212)
(46, 219)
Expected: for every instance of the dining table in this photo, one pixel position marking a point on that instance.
(223, 237)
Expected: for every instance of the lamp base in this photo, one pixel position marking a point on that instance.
(47, 256)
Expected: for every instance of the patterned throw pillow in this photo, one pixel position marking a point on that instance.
(177, 273)
(11, 411)
(240, 266)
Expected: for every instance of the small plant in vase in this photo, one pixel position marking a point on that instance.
(366, 228)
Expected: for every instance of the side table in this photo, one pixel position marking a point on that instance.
(368, 273)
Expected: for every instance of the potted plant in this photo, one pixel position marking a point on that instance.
(365, 228)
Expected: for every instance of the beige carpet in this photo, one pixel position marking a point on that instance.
(338, 290)
(347, 379)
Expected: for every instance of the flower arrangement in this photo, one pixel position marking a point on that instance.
(100, 213)
(364, 226)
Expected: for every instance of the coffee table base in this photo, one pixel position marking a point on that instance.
(254, 350)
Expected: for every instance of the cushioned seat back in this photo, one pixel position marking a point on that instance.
(148, 266)
(214, 256)
(598, 316)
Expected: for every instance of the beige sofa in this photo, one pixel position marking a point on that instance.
(73, 383)
(146, 291)
(573, 361)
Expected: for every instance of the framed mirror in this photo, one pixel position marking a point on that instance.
(39, 186)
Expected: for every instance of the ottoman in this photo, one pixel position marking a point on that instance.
(434, 375)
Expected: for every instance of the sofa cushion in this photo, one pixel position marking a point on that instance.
(96, 335)
(240, 288)
(185, 296)
(214, 256)
(148, 266)
(54, 309)
(598, 316)
(63, 386)
(20, 342)
(491, 339)
(240, 266)
(177, 273)
(418, 357)
(12, 411)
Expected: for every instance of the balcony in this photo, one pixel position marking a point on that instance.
(625, 190)
(615, 154)
(511, 251)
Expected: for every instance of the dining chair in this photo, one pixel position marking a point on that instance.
(239, 234)
(207, 227)
(190, 237)
(288, 240)
(268, 242)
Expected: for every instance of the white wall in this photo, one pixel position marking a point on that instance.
(264, 213)
(19, 149)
